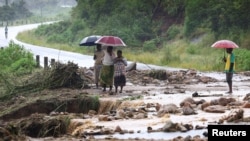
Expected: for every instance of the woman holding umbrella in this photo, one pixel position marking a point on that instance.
(107, 71)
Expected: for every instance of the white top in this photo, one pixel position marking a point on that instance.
(107, 59)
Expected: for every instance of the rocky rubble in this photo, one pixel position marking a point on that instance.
(116, 108)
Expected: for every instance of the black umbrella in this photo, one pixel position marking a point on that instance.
(89, 40)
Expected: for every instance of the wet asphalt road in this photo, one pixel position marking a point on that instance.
(59, 55)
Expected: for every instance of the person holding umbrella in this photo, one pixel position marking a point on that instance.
(229, 68)
(228, 45)
(107, 70)
(98, 55)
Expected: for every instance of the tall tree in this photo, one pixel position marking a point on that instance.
(222, 17)
(20, 9)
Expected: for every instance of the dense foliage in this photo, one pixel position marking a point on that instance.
(143, 23)
(15, 59)
(224, 18)
(179, 32)
(34, 10)
(16, 10)
(136, 21)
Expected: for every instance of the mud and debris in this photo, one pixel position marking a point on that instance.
(47, 105)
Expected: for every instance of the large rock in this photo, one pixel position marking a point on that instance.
(187, 109)
(215, 109)
(169, 108)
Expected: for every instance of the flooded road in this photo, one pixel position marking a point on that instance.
(151, 94)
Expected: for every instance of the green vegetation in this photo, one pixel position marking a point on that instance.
(15, 62)
(14, 11)
(15, 59)
(89, 103)
(131, 98)
(167, 33)
(18, 12)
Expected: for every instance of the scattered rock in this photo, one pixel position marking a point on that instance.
(233, 116)
(215, 109)
(247, 97)
(187, 109)
(118, 129)
(168, 108)
(246, 105)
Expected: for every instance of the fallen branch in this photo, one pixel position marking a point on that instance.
(208, 95)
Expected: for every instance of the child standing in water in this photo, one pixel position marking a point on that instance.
(120, 64)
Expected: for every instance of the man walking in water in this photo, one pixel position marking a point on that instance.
(6, 31)
(229, 68)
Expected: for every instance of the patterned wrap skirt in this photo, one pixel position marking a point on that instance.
(107, 75)
(120, 77)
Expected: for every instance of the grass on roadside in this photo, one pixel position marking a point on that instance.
(179, 54)
(31, 38)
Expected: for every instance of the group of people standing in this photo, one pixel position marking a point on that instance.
(109, 68)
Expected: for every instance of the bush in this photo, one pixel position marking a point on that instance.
(15, 59)
(169, 56)
(150, 45)
(173, 31)
(22, 66)
(241, 59)
(191, 50)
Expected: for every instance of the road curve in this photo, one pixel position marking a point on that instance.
(59, 55)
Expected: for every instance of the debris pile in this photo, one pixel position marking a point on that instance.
(64, 76)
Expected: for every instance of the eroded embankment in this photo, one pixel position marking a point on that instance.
(77, 104)
(51, 117)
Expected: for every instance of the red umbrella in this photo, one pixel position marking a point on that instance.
(110, 41)
(225, 44)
